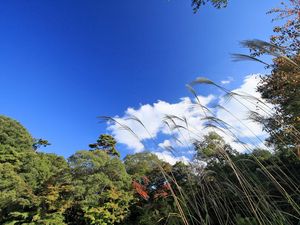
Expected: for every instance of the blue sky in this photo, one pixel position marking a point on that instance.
(63, 63)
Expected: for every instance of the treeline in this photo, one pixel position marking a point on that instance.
(220, 186)
(94, 186)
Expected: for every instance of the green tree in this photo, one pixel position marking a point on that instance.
(35, 177)
(154, 203)
(212, 147)
(106, 143)
(24, 174)
(261, 154)
(141, 164)
(101, 188)
(15, 141)
(15, 195)
(282, 89)
(40, 143)
(13, 134)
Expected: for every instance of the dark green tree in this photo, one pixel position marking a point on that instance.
(40, 143)
(106, 143)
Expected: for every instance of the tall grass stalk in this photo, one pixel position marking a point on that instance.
(238, 196)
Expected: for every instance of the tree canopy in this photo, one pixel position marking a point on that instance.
(13, 134)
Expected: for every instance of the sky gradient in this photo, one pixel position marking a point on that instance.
(63, 63)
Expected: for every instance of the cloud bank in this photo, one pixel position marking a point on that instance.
(173, 126)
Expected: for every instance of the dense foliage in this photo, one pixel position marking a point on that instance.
(96, 187)
(91, 187)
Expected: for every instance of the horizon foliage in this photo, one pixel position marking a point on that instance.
(95, 187)
(91, 187)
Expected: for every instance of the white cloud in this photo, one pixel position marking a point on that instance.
(151, 117)
(225, 81)
(151, 121)
(165, 144)
(168, 157)
(228, 81)
(239, 108)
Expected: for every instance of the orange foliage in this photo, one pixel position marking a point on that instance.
(140, 189)
(162, 191)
